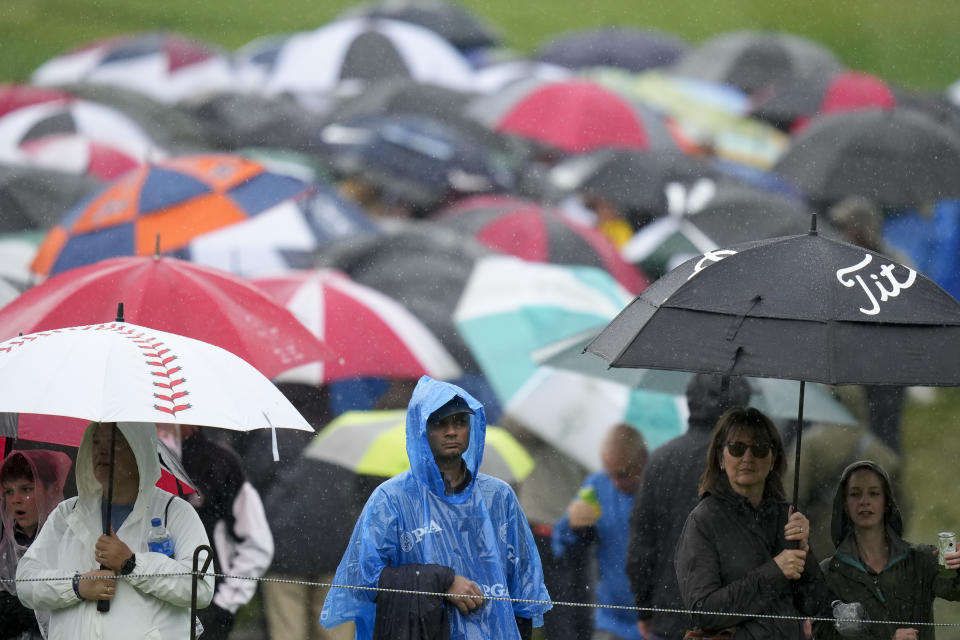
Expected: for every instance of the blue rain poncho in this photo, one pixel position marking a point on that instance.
(480, 533)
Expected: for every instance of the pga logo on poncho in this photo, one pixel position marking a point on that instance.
(410, 538)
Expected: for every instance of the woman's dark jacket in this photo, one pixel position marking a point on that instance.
(905, 589)
(725, 563)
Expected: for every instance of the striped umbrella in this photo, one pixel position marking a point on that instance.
(375, 443)
(372, 334)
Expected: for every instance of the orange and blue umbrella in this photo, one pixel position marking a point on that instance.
(162, 207)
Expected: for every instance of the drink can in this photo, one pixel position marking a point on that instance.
(589, 495)
(947, 543)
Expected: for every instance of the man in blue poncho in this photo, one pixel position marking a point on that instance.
(441, 527)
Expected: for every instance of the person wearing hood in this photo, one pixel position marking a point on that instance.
(441, 527)
(743, 550)
(893, 580)
(667, 494)
(144, 603)
(32, 483)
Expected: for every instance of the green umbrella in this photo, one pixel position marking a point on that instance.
(775, 397)
(375, 443)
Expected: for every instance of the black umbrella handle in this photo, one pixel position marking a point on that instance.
(793, 544)
(104, 605)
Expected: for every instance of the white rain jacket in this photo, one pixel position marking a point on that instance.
(144, 607)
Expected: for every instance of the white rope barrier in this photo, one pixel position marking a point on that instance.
(555, 603)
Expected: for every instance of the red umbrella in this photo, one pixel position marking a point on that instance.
(372, 334)
(575, 116)
(530, 231)
(174, 296)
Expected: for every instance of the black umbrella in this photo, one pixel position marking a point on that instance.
(632, 49)
(459, 27)
(34, 198)
(898, 158)
(798, 307)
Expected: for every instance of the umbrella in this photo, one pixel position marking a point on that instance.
(751, 59)
(32, 198)
(73, 116)
(790, 102)
(897, 158)
(573, 116)
(528, 230)
(496, 76)
(177, 199)
(707, 115)
(421, 266)
(798, 307)
(706, 215)
(175, 296)
(777, 398)
(508, 309)
(416, 160)
(461, 28)
(373, 335)
(375, 443)
(626, 48)
(165, 66)
(346, 54)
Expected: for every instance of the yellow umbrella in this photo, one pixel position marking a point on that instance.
(375, 443)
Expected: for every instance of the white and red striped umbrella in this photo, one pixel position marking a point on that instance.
(373, 334)
(75, 153)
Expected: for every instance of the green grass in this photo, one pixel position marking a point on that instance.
(911, 43)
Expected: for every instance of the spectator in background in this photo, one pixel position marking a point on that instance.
(233, 517)
(32, 483)
(598, 516)
(667, 494)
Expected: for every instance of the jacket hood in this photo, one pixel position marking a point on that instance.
(428, 396)
(841, 525)
(142, 437)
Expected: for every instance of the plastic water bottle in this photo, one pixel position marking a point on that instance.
(158, 538)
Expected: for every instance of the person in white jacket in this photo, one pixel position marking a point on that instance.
(143, 604)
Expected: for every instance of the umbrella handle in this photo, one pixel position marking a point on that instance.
(793, 544)
(104, 605)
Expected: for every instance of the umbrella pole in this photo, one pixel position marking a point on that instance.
(104, 605)
(796, 461)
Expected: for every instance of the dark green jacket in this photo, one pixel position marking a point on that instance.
(903, 591)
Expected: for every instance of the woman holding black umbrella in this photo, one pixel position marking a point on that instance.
(893, 580)
(743, 551)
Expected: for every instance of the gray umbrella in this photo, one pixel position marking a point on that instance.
(897, 158)
(33, 198)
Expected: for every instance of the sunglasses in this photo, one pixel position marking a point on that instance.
(758, 449)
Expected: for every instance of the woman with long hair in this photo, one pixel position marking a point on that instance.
(893, 580)
(743, 550)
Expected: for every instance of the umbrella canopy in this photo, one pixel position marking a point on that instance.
(373, 335)
(375, 443)
(142, 375)
(790, 102)
(32, 198)
(752, 59)
(574, 116)
(92, 120)
(421, 266)
(176, 199)
(631, 49)
(166, 66)
(461, 28)
(416, 160)
(799, 307)
(175, 296)
(527, 230)
(705, 214)
(508, 309)
(777, 398)
(897, 158)
(356, 51)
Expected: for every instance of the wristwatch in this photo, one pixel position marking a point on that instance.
(128, 565)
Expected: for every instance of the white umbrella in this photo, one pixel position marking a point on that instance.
(123, 372)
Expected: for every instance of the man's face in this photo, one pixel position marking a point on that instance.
(624, 471)
(449, 437)
(125, 462)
